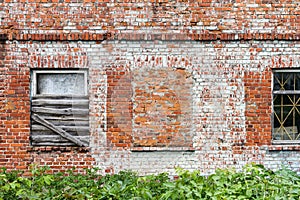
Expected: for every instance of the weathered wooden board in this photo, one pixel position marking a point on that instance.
(60, 120)
(69, 123)
(60, 102)
(34, 143)
(73, 96)
(56, 139)
(57, 130)
(65, 118)
(50, 132)
(66, 128)
(60, 111)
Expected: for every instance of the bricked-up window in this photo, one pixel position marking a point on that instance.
(59, 108)
(286, 106)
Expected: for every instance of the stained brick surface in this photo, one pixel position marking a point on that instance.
(236, 16)
(171, 83)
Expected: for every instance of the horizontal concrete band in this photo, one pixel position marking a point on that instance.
(148, 36)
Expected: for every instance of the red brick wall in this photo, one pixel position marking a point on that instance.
(125, 19)
(98, 20)
(208, 63)
(119, 107)
(16, 151)
(218, 93)
(15, 106)
(259, 107)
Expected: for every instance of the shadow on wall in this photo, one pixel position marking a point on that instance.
(3, 103)
(3, 38)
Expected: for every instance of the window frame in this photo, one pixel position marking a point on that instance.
(282, 92)
(34, 81)
(80, 138)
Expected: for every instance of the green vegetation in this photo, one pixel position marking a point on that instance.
(252, 182)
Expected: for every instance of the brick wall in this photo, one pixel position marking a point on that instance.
(170, 83)
(124, 18)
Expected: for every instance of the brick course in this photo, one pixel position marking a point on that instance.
(171, 83)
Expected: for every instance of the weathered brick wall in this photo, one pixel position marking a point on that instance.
(14, 107)
(16, 151)
(228, 16)
(222, 110)
(171, 83)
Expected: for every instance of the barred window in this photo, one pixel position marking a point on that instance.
(286, 106)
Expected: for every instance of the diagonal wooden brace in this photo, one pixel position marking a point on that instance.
(57, 130)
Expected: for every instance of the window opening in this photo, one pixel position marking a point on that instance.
(286, 105)
(59, 108)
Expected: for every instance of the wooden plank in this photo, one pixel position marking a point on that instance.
(60, 111)
(49, 132)
(52, 144)
(45, 132)
(73, 96)
(60, 102)
(56, 138)
(69, 123)
(57, 130)
(64, 118)
(66, 128)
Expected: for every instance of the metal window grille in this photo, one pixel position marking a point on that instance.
(286, 106)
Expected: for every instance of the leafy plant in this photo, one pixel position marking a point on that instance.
(252, 182)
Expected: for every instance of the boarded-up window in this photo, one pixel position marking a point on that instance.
(59, 108)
